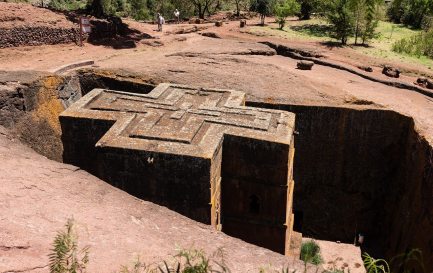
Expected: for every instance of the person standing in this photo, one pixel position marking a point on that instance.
(177, 15)
(159, 21)
(162, 22)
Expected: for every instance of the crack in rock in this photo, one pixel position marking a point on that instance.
(7, 248)
(25, 269)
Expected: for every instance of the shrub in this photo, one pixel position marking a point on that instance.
(65, 256)
(418, 45)
(310, 253)
(67, 4)
(288, 8)
(410, 12)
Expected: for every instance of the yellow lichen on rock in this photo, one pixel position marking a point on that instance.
(49, 105)
(40, 127)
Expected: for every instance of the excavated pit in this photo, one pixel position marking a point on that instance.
(362, 171)
(357, 170)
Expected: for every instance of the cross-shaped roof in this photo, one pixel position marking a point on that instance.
(177, 119)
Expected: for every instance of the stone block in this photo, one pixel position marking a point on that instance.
(197, 151)
(305, 65)
(391, 71)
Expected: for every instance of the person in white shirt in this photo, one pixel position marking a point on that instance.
(160, 21)
(177, 15)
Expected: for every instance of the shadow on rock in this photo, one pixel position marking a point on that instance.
(112, 32)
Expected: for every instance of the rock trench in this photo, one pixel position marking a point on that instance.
(357, 170)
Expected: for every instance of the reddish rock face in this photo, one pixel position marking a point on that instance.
(197, 151)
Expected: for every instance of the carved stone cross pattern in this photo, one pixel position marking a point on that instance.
(198, 151)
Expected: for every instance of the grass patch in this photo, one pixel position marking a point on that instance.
(318, 30)
(314, 30)
(418, 45)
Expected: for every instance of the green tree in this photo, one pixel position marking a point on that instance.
(239, 4)
(263, 7)
(308, 7)
(139, 10)
(202, 6)
(66, 4)
(366, 14)
(284, 10)
(96, 8)
(358, 8)
(340, 16)
(410, 12)
(371, 20)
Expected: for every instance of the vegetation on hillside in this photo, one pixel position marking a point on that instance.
(353, 18)
(357, 19)
(413, 13)
(418, 45)
(284, 10)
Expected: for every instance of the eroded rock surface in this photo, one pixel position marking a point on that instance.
(38, 195)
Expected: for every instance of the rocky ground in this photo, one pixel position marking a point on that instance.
(14, 15)
(39, 195)
(338, 256)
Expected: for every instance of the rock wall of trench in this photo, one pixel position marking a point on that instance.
(356, 170)
(362, 171)
(30, 102)
(30, 110)
(121, 81)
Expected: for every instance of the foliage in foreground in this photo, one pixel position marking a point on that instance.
(65, 256)
(186, 261)
(373, 265)
(407, 262)
(310, 253)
